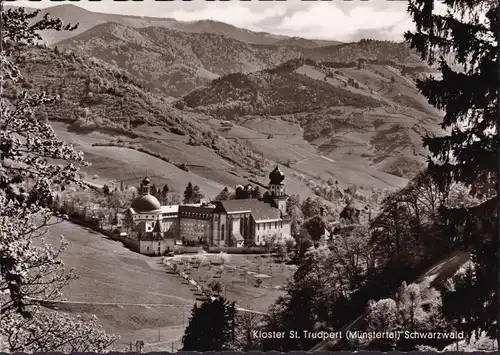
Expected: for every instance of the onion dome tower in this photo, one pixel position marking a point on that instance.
(277, 189)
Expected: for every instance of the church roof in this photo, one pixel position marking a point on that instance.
(146, 203)
(259, 210)
(146, 181)
(264, 212)
(234, 206)
(151, 237)
(157, 227)
(276, 176)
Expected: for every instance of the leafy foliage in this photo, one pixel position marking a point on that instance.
(31, 271)
(468, 153)
(270, 93)
(192, 194)
(246, 324)
(413, 308)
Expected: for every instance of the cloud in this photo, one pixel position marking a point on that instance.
(340, 21)
(337, 20)
(231, 13)
(326, 20)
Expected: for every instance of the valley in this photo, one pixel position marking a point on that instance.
(285, 174)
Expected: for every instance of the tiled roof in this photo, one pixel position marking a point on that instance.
(263, 212)
(151, 237)
(238, 237)
(260, 210)
(157, 227)
(239, 205)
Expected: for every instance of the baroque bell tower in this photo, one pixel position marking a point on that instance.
(145, 186)
(277, 189)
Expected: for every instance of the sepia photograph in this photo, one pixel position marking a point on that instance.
(249, 176)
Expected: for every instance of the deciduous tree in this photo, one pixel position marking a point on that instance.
(31, 270)
(467, 153)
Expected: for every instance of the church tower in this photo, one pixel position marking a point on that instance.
(277, 189)
(145, 186)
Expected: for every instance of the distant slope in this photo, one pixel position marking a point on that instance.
(176, 63)
(367, 49)
(101, 106)
(171, 61)
(88, 19)
(370, 116)
(97, 98)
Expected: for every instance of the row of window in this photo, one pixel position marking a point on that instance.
(193, 224)
(192, 228)
(195, 215)
(139, 216)
(269, 224)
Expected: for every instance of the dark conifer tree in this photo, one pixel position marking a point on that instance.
(223, 195)
(165, 190)
(188, 193)
(154, 191)
(210, 326)
(467, 153)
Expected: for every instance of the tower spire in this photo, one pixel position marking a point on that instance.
(145, 186)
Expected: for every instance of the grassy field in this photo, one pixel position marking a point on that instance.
(132, 294)
(137, 298)
(207, 169)
(355, 174)
(238, 278)
(286, 142)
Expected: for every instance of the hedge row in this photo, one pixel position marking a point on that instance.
(238, 250)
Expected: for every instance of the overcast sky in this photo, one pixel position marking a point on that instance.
(337, 19)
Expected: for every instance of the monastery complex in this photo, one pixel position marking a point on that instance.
(154, 229)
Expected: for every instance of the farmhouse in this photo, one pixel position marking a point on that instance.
(154, 229)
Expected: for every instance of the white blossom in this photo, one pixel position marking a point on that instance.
(32, 273)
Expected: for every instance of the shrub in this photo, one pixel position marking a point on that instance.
(238, 250)
(258, 282)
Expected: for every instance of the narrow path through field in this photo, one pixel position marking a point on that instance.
(330, 160)
(239, 309)
(313, 157)
(296, 152)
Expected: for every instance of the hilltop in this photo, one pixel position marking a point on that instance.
(88, 19)
(369, 115)
(100, 105)
(176, 62)
(351, 114)
(126, 132)
(171, 61)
